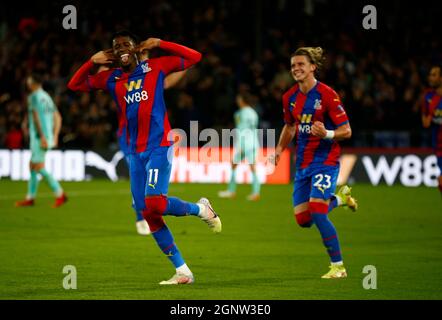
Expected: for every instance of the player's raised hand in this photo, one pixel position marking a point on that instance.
(148, 44)
(318, 129)
(103, 57)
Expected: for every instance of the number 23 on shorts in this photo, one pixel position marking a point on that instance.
(322, 182)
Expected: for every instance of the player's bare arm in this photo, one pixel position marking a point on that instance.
(341, 133)
(426, 120)
(172, 79)
(57, 127)
(148, 44)
(43, 141)
(287, 134)
(24, 126)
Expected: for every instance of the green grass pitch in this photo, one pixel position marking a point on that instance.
(261, 253)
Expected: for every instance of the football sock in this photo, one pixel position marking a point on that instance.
(165, 241)
(232, 183)
(53, 184)
(304, 219)
(32, 185)
(184, 269)
(327, 230)
(256, 186)
(333, 203)
(178, 208)
(138, 213)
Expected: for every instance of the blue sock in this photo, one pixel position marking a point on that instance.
(178, 208)
(329, 236)
(333, 203)
(138, 213)
(165, 241)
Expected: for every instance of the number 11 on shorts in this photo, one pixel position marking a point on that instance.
(153, 173)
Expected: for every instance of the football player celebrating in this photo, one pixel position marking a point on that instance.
(313, 112)
(137, 88)
(432, 115)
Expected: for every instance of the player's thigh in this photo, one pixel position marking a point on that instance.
(137, 174)
(301, 193)
(323, 182)
(38, 154)
(251, 154)
(302, 207)
(238, 156)
(158, 170)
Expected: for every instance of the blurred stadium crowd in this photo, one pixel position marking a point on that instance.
(246, 45)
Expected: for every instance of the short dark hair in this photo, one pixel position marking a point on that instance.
(36, 77)
(247, 97)
(124, 33)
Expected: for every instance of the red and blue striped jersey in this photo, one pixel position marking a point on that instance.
(428, 98)
(142, 114)
(432, 105)
(323, 104)
(139, 97)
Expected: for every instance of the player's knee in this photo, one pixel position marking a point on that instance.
(318, 207)
(304, 219)
(153, 214)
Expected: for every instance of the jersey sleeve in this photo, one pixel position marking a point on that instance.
(99, 81)
(171, 64)
(83, 81)
(425, 104)
(182, 57)
(335, 109)
(32, 102)
(288, 117)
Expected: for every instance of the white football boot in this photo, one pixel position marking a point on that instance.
(142, 227)
(179, 278)
(209, 216)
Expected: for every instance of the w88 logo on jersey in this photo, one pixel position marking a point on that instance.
(136, 97)
(304, 128)
(305, 123)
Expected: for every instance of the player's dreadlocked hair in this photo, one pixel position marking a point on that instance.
(314, 54)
